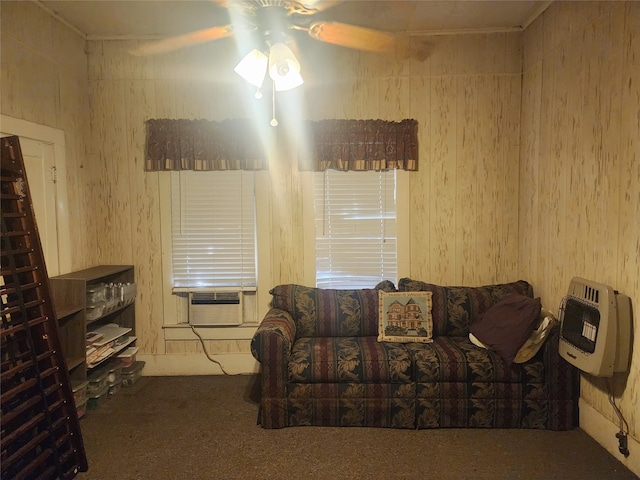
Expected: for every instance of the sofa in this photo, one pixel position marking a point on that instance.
(321, 363)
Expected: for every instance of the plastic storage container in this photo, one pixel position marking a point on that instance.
(115, 370)
(81, 407)
(130, 375)
(128, 357)
(128, 292)
(79, 389)
(95, 310)
(96, 293)
(98, 380)
(111, 296)
(114, 387)
(96, 399)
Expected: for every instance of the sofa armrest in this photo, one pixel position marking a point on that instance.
(274, 336)
(271, 345)
(563, 382)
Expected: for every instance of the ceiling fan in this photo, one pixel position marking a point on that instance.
(268, 24)
(271, 22)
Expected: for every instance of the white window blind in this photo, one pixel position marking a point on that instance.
(355, 228)
(213, 229)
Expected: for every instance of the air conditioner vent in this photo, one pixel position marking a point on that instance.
(215, 308)
(218, 298)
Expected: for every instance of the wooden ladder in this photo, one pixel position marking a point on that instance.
(40, 436)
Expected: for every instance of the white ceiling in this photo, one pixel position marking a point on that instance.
(147, 19)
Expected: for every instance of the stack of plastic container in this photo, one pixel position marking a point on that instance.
(96, 301)
(119, 294)
(132, 373)
(79, 390)
(114, 379)
(128, 356)
(98, 387)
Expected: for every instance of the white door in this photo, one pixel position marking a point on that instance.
(39, 161)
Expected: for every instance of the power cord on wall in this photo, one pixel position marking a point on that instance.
(623, 445)
(204, 348)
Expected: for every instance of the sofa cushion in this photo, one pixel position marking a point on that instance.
(348, 360)
(455, 307)
(456, 359)
(329, 313)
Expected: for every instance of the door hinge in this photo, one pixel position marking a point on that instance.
(54, 174)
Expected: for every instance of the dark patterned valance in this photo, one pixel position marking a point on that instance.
(362, 145)
(203, 145)
(234, 145)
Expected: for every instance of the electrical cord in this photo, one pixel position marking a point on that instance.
(204, 348)
(623, 445)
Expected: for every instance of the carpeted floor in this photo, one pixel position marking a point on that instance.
(205, 428)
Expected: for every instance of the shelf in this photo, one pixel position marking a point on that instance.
(117, 324)
(74, 362)
(111, 332)
(113, 351)
(111, 310)
(67, 311)
(90, 275)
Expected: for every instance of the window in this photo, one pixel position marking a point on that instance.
(356, 241)
(213, 229)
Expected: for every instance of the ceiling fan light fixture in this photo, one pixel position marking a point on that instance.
(292, 80)
(284, 68)
(253, 67)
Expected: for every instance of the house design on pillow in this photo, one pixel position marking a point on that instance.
(401, 318)
(405, 317)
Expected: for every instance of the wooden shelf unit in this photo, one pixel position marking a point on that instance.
(69, 295)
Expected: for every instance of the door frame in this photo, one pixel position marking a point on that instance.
(55, 137)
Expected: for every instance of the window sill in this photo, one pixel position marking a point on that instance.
(183, 332)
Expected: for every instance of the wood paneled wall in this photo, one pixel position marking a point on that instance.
(466, 97)
(580, 173)
(43, 80)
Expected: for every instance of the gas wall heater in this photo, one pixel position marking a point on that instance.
(595, 328)
(215, 309)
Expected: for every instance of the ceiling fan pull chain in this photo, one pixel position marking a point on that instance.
(273, 122)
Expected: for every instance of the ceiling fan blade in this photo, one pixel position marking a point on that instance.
(181, 41)
(352, 36)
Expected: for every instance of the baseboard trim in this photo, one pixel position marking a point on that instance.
(603, 431)
(198, 364)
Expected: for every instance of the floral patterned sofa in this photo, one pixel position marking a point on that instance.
(322, 364)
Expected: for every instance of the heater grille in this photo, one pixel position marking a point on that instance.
(595, 327)
(580, 326)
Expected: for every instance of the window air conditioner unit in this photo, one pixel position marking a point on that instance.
(215, 309)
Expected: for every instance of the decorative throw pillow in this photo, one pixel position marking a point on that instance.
(535, 341)
(386, 285)
(405, 317)
(506, 326)
(537, 337)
